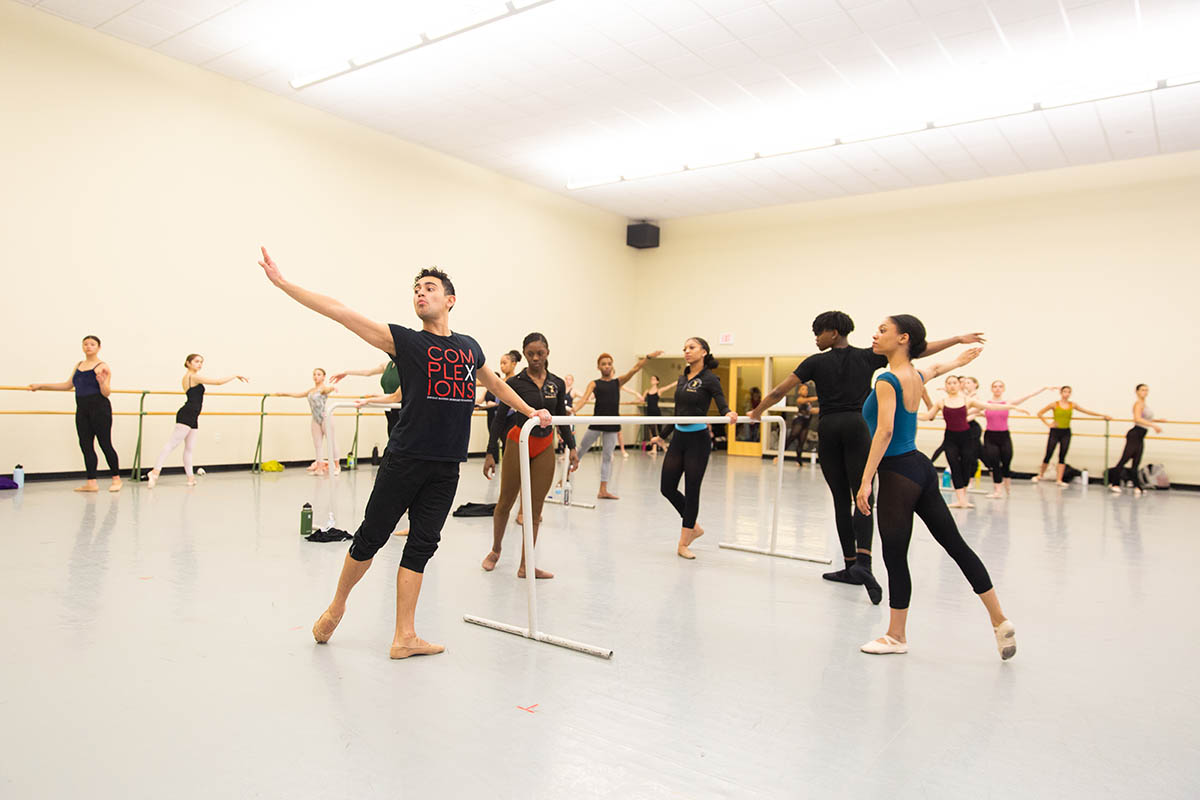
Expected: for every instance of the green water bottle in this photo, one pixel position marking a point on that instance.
(306, 519)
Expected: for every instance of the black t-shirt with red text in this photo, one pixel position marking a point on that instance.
(437, 379)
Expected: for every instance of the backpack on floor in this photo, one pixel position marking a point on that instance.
(1070, 473)
(1154, 476)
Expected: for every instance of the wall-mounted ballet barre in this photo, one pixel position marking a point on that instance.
(531, 631)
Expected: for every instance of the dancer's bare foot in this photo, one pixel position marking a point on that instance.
(489, 563)
(996, 495)
(606, 495)
(415, 646)
(88, 486)
(961, 505)
(324, 627)
(541, 573)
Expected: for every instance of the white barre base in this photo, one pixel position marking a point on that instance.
(592, 506)
(557, 641)
(762, 551)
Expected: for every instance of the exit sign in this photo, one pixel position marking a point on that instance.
(726, 338)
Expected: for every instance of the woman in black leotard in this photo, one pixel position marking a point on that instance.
(187, 418)
(687, 456)
(842, 374)
(651, 399)
(93, 412)
(607, 389)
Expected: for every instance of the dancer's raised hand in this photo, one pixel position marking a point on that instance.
(270, 268)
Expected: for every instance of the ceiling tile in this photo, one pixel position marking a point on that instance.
(134, 30)
(703, 35)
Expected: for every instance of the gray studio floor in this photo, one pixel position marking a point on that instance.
(157, 644)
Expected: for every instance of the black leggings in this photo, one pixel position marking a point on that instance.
(961, 454)
(908, 484)
(393, 417)
(687, 458)
(1060, 437)
(997, 454)
(1135, 445)
(799, 436)
(93, 420)
(843, 447)
(977, 445)
(425, 489)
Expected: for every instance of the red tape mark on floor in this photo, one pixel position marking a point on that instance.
(530, 709)
(146, 578)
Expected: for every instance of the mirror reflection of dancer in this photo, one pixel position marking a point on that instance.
(997, 441)
(607, 389)
(908, 484)
(321, 427)
(187, 418)
(687, 455)
(1135, 444)
(419, 470)
(806, 408)
(1060, 431)
(93, 412)
(842, 374)
(540, 388)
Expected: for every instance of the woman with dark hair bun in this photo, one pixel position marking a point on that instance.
(93, 412)
(187, 418)
(908, 484)
(842, 374)
(687, 456)
(1135, 444)
(540, 388)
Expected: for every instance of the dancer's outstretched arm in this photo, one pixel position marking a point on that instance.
(641, 362)
(775, 395)
(1032, 395)
(1093, 413)
(933, 348)
(362, 373)
(220, 381)
(965, 357)
(373, 333)
(508, 396)
(66, 386)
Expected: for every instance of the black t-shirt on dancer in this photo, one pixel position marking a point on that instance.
(437, 378)
(843, 377)
(608, 403)
(550, 396)
(694, 395)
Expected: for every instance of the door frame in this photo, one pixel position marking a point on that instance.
(732, 446)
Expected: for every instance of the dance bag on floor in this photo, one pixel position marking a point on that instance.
(1154, 476)
(1070, 473)
(8, 483)
(329, 535)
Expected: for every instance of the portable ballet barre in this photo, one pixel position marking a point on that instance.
(532, 632)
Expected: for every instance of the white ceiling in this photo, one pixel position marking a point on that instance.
(581, 87)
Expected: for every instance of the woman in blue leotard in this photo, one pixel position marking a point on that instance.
(908, 483)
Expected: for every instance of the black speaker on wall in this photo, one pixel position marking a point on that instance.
(641, 235)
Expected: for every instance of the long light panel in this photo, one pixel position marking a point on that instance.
(402, 45)
(811, 143)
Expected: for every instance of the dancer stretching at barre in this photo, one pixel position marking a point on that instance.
(419, 471)
(538, 387)
(187, 418)
(93, 412)
(959, 441)
(1135, 444)
(322, 428)
(651, 398)
(908, 484)
(842, 374)
(389, 381)
(687, 455)
(607, 389)
(1060, 431)
(997, 441)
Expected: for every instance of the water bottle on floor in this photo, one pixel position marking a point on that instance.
(306, 519)
(19, 476)
(945, 479)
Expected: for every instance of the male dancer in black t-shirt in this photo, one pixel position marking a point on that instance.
(419, 472)
(842, 374)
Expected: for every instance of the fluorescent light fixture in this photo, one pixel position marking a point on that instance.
(794, 146)
(451, 21)
(318, 75)
(718, 160)
(1069, 97)
(652, 171)
(982, 111)
(393, 47)
(1183, 80)
(587, 183)
(869, 130)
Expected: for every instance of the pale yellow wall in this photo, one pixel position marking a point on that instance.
(136, 190)
(1086, 276)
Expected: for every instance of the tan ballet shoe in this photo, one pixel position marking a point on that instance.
(884, 646)
(541, 574)
(415, 647)
(115, 486)
(1006, 639)
(324, 627)
(683, 552)
(86, 488)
